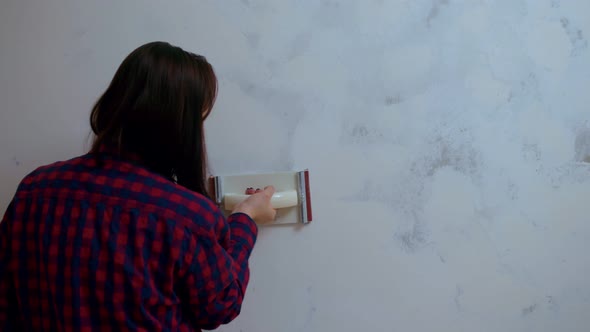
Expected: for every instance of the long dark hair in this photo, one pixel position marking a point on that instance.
(155, 107)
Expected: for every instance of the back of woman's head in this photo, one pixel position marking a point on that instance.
(155, 107)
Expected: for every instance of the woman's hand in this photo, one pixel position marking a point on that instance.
(258, 206)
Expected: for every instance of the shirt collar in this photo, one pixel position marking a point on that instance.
(111, 150)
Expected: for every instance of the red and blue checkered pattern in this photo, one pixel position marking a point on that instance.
(100, 243)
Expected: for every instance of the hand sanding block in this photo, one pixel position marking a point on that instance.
(292, 198)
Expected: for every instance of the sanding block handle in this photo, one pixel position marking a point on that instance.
(279, 200)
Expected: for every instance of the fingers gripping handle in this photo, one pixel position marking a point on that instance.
(279, 200)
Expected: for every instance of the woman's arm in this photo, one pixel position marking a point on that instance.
(217, 272)
(8, 301)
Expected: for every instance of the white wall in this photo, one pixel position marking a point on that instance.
(449, 145)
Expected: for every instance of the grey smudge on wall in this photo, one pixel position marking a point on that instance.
(531, 152)
(570, 173)
(404, 196)
(16, 161)
(392, 100)
(512, 189)
(458, 154)
(576, 36)
(299, 45)
(253, 39)
(369, 192)
(529, 86)
(529, 310)
(330, 3)
(435, 10)
(510, 96)
(458, 294)
(289, 107)
(552, 304)
(334, 13)
(372, 191)
(257, 5)
(486, 213)
(365, 134)
(360, 131)
(413, 239)
(582, 146)
(79, 33)
(555, 3)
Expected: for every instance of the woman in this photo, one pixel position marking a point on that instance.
(125, 237)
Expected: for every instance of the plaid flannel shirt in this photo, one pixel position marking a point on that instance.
(100, 243)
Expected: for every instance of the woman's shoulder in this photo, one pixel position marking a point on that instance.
(50, 171)
(200, 211)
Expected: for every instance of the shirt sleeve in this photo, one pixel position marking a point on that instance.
(217, 272)
(7, 295)
(243, 232)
